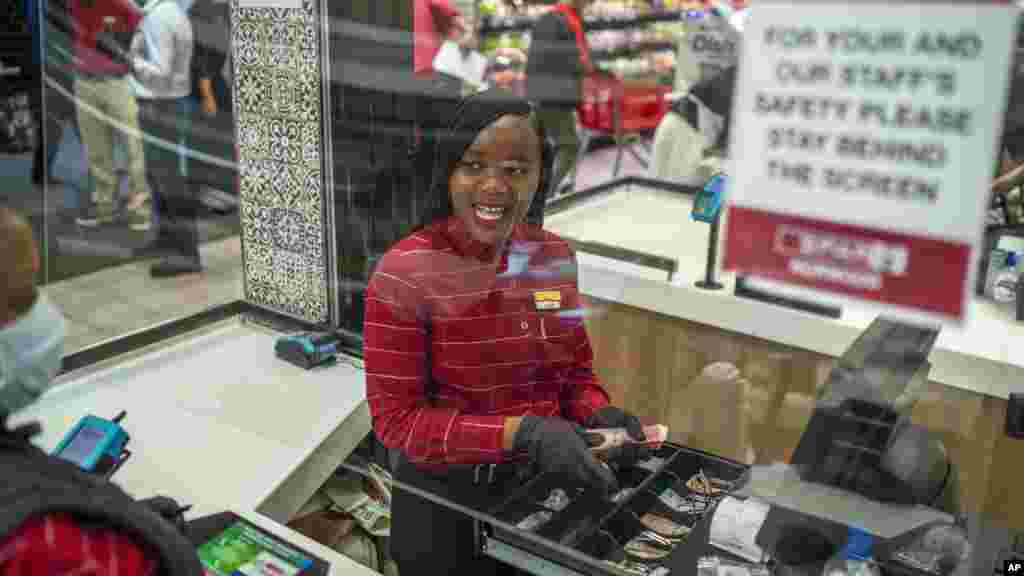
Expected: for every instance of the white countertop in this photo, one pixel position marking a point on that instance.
(980, 356)
(218, 422)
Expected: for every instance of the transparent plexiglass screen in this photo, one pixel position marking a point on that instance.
(458, 339)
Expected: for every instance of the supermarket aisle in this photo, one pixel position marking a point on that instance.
(598, 165)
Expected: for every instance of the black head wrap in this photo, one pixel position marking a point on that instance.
(718, 92)
(717, 95)
(470, 117)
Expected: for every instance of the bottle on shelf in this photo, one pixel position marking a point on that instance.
(855, 558)
(1004, 285)
(996, 264)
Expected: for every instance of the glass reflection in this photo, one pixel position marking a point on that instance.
(136, 163)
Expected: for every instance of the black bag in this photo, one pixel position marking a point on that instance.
(37, 484)
(116, 44)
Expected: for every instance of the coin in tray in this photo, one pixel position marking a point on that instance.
(702, 501)
(705, 486)
(535, 520)
(643, 550)
(681, 504)
(663, 526)
(621, 495)
(634, 568)
(652, 464)
(557, 500)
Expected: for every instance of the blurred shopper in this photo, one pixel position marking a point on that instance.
(694, 135)
(36, 29)
(558, 60)
(57, 33)
(58, 519)
(106, 106)
(1010, 158)
(51, 125)
(434, 21)
(162, 62)
(213, 136)
(210, 35)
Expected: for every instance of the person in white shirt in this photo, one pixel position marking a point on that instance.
(692, 139)
(161, 56)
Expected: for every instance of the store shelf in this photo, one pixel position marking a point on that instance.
(632, 51)
(499, 25)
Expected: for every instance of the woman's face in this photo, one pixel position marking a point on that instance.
(494, 182)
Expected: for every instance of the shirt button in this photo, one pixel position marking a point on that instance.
(525, 325)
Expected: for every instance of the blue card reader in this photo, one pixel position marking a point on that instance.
(708, 202)
(96, 445)
(309, 349)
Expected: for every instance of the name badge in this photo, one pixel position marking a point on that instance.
(547, 300)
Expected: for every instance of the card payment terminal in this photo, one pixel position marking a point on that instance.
(708, 202)
(308, 349)
(96, 445)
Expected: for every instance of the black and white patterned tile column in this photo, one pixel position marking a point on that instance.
(277, 83)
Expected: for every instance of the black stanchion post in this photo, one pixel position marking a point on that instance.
(709, 282)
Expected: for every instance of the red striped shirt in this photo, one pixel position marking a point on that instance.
(56, 544)
(454, 343)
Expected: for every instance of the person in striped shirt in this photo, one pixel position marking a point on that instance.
(477, 358)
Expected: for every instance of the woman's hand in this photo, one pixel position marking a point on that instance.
(612, 417)
(557, 446)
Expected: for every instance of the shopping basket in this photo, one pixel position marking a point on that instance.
(622, 109)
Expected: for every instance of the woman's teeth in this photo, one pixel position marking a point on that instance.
(489, 212)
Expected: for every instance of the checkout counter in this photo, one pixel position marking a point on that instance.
(218, 422)
(849, 472)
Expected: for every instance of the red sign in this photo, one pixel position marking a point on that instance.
(863, 138)
(860, 262)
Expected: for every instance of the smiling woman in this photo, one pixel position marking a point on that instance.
(494, 183)
(475, 350)
(495, 142)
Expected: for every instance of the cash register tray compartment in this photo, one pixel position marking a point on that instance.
(582, 514)
(600, 529)
(623, 524)
(568, 527)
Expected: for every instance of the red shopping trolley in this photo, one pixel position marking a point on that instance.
(623, 109)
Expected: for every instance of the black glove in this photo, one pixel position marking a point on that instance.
(557, 446)
(612, 417)
(168, 509)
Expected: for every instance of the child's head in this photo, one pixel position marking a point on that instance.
(20, 260)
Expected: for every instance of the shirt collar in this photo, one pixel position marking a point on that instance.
(454, 230)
